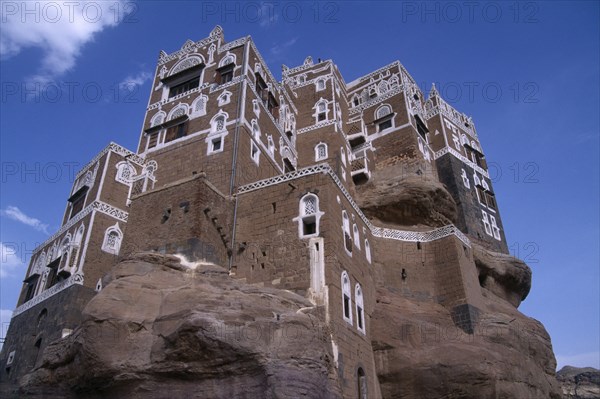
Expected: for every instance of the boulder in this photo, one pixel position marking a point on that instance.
(162, 328)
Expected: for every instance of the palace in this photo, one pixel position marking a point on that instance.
(298, 184)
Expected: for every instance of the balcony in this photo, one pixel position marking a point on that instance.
(360, 170)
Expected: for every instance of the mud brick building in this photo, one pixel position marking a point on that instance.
(271, 179)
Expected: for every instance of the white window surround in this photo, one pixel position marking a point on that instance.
(346, 232)
(360, 309)
(256, 107)
(158, 118)
(486, 223)
(125, 172)
(495, 228)
(177, 111)
(229, 58)
(199, 106)
(254, 152)
(346, 298)
(356, 236)
(255, 129)
(112, 239)
(382, 111)
(212, 140)
(11, 358)
(465, 178)
(308, 213)
(218, 122)
(270, 145)
(224, 98)
(320, 151)
(367, 250)
(320, 84)
(321, 108)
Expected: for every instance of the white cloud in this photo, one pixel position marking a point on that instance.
(58, 29)
(9, 258)
(589, 359)
(131, 83)
(15, 213)
(280, 48)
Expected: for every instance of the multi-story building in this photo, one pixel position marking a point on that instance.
(264, 178)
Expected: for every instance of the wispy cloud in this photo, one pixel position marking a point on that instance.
(268, 15)
(58, 29)
(588, 359)
(9, 259)
(279, 48)
(14, 213)
(132, 82)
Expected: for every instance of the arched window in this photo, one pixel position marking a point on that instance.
(346, 298)
(228, 59)
(112, 240)
(320, 151)
(224, 98)
(346, 232)
(383, 111)
(356, 100)
(321, 110)
(199, 106)
(125, 172)
(309, 215)
(157, 119)
(320, 84)
(217, 124)
(180, 110)
(367, 250)
(383, 87)
(271, 145)
(356, 236)
(255, 129)
(465, 178)
(360, 309)
(362, 383)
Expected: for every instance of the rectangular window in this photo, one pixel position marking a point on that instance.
(309, 225)
(153, 140)
(254, 153)
(77, 201)
(185, 86)
(225, 74)
(53, 275)
(480, 194)
(346, 306)
(216, 144)
(385, 124)
(486, 223)
(176, 132)
(491, 200)
(359, 315)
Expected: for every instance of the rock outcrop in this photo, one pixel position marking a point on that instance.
(164, 328)
(506, 276)
(579, 383)
(403, 199)
(161, 329)
(420, 353)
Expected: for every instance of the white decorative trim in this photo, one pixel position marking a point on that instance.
(117, 149)
(96, 206)
(452, 151)
(316, 126)
(400, 235)
(55, 289)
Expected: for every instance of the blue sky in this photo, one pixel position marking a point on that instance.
(73, 79)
